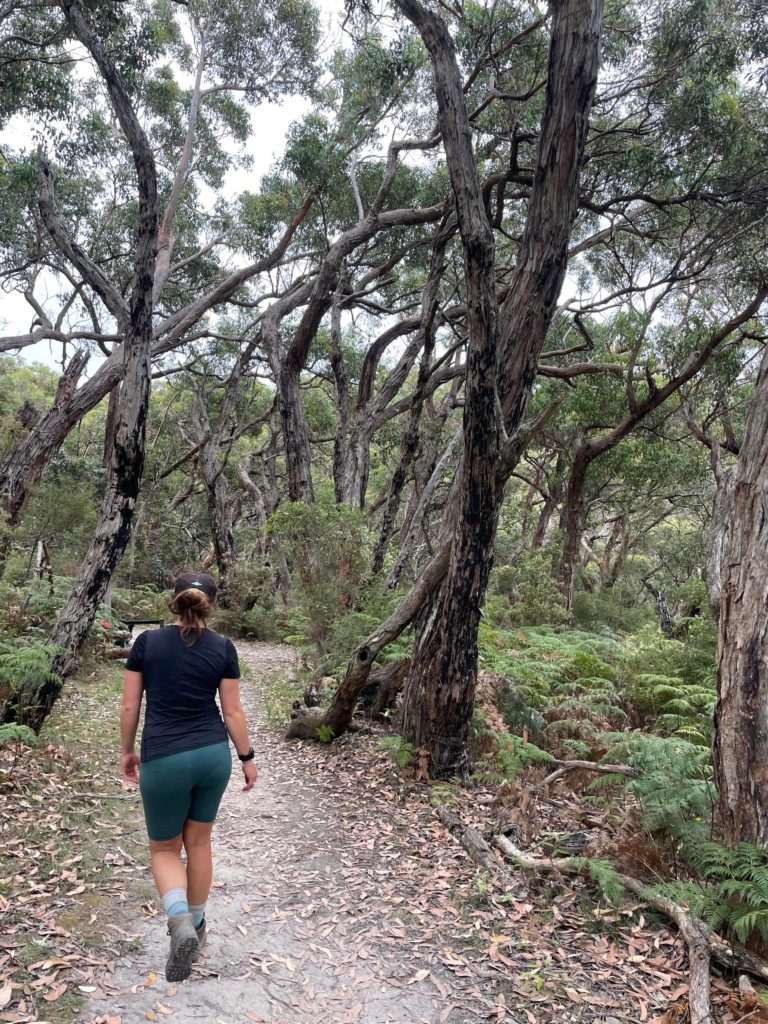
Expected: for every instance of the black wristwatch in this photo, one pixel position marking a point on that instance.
(247, 757)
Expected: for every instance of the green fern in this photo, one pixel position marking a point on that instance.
(23, 666)
(401, 751)
(675, 785)
(732, 892)
(13, 733)
(444, 794)
(513, 755)
(324, 733)
(604, 875)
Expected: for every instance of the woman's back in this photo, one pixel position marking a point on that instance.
(180, 682)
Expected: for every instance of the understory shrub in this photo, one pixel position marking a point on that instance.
(327, 547)
(279, 690)
(525, 593)
(30, 609)
(731, 890)
(257, 624)
(23, 664)
(140, 601)
(605, 608)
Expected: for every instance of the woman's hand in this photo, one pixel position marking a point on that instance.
(251, 773)
(129, 768)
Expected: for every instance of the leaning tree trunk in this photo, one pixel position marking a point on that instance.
(415, 519)
(495, 402)
(298, 461)
(741, 717)
(352, 452)
(212, 466)
(439, 694)
(220, 521)
(619, 536)
(410, 439)
(32, 705)
(19, 475)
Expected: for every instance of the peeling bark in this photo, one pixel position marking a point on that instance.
(741, 717)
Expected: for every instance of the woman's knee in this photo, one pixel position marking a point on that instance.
(197, 834)
(165, 845)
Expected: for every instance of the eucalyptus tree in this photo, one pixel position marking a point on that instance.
(89, 223)
(715, 417)
(727, 247)
(675, 355)
(670, 165)
(103, 284)
(742, 656)
(30, 704)
(502, 353)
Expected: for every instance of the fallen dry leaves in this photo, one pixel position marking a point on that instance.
(62, 866)
(374, 900)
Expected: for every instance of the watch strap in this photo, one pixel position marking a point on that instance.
(247, 757)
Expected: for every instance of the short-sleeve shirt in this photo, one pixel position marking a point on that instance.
(180, 682)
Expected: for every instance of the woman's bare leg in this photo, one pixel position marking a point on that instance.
(167, 867)
(197, 843)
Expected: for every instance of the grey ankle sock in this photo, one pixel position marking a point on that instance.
(197, 910)
(175, 902)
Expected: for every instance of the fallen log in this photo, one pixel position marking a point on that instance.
(471, 840)
(116, 653)
(563, 767)
(722, 952)
(702, 943)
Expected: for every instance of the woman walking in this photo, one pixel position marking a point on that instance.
(185, 761)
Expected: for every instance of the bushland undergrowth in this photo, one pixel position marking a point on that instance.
(70, 837)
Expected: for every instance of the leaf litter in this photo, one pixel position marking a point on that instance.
(338, 896)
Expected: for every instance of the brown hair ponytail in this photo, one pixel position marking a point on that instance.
(193, 607)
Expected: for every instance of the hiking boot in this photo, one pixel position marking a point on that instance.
(183, 947)
(201, 931)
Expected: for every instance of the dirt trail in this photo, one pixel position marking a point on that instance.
(335, 899)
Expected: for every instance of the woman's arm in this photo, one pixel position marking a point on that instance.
(237, 727)
(133, 691)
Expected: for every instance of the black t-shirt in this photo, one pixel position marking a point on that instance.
(181, 683)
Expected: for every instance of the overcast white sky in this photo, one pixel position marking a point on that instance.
(270, 123)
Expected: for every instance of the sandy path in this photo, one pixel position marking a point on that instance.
(333, 900)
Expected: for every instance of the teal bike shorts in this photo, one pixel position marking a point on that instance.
(187, 785)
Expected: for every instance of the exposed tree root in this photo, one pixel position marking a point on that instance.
(389, 681)
(702, 943)
(722, 952)
(694, 932)
(563, 767)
